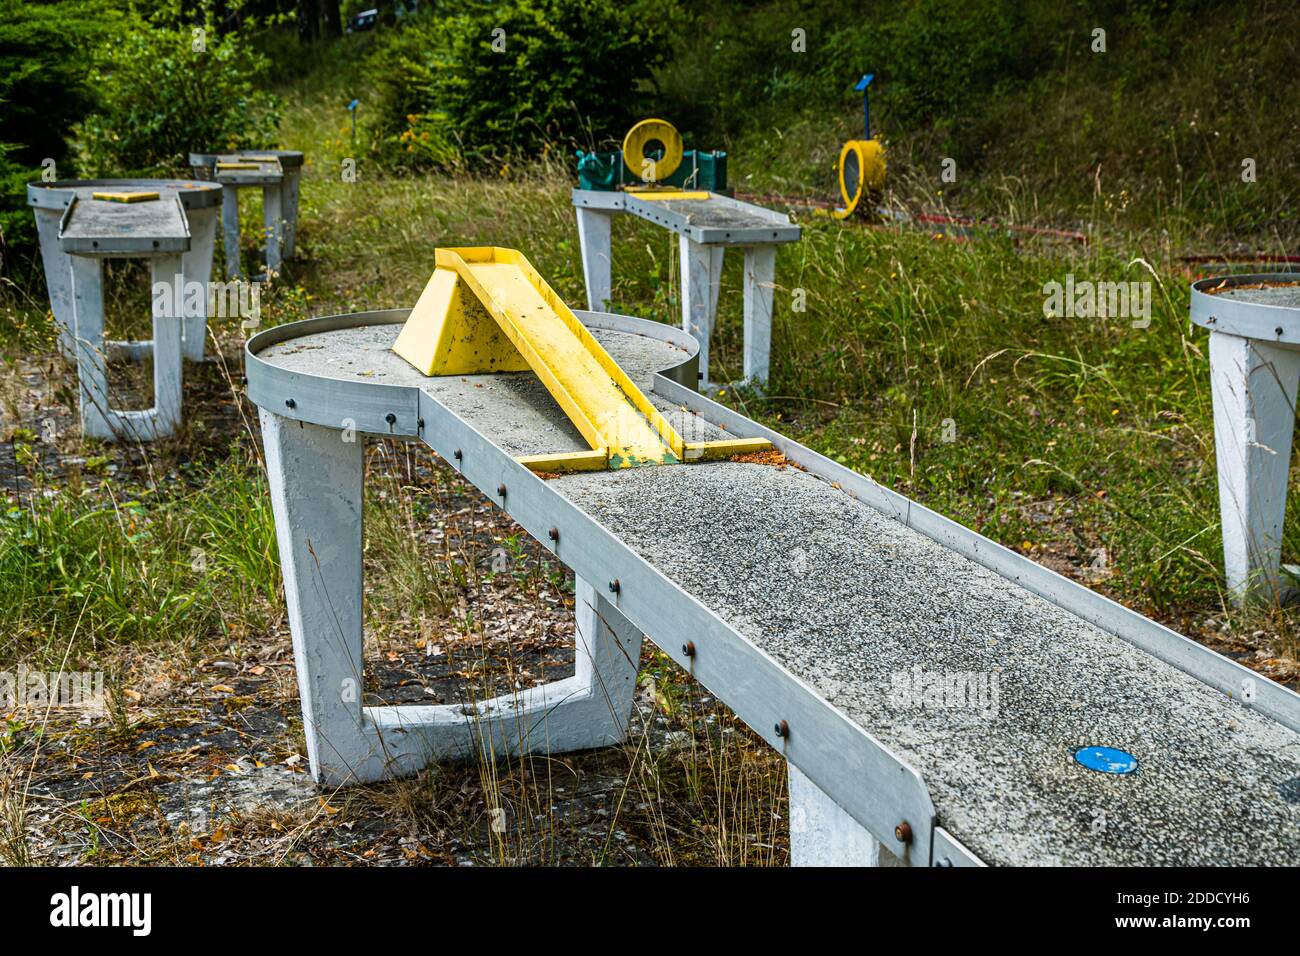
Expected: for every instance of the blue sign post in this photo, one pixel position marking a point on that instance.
(352, 109)
(861, 87)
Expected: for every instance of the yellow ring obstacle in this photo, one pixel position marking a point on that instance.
(640, 137)
(862, 172)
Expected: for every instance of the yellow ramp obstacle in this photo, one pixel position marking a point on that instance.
(487, 310)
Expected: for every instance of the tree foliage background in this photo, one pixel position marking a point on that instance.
(1011, 90)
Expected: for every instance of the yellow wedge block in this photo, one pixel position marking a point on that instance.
(725, 448)
(602, 402)
(450, 333)
(487, 310)
(596, 394)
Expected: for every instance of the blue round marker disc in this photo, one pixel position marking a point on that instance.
(1106, 759)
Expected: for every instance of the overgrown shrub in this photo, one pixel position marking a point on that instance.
(44, 89)
(494, 80)
(740, 65)
(169, 90)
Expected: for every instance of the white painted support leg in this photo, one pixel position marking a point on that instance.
(699, 296)
(88, 330)
(760, 282)
(98, 418)
(230, 229)
(823, 834)
(289, 207)
(316, 494)
(716, 254)
(165, 416)
(316, 486)
(1254, 390)
(58, 278)
(273, 227)
(607, 656)
(196, 266)
(597, 256)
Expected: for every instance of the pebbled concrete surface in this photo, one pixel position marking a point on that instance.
(106, 221)
(715, 215)
(848, 599)
(852, 601)
(1283, 296)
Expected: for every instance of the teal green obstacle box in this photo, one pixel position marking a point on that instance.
(652, 154)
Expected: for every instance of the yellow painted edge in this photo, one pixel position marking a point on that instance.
(668, 194)
(124, 197)
(239, 165)
(565, 461)
(724, 448)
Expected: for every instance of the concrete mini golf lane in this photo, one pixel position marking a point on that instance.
(848, 599)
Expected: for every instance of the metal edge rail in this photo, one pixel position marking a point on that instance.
(874, 785)
(406, 411)
(193, 193)
(780, 230)
(289, 158)
(1251, 320)
(1252, 690)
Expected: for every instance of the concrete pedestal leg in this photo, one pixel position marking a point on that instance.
(98, 418)
(701, 274)
(273, 227)
(289, 207)
(594, 242)
(823, 834)
(1254, 390)
(165, 416)
(88, 331)
(716, 254)
(197, 267)
(316, 486)
(606, 660)
(316, 494)
(58, 278)
(760, 282)
(230, 229)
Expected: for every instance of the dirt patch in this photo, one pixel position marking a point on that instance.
(771, 457)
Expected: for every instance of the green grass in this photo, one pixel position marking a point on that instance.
(123, 565)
